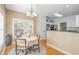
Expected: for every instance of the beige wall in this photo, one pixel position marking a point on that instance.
(13, 14)
(37, 22)
(67, 41)
(2, 9)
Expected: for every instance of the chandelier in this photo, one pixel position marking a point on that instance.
(31, 12)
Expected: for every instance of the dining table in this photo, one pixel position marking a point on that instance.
(30, 40)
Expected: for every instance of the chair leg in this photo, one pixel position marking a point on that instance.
(26, 52)
(30, 49)
(38, 49)
(16, 51)
(22, 51)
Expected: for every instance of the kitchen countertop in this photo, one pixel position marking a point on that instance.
(67, 31)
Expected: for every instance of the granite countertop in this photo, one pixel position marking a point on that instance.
(67, 31)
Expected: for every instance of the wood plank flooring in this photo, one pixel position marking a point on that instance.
(50, 50)
(9, 48)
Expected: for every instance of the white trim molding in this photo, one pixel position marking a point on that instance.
(2, 49)
(61, 50)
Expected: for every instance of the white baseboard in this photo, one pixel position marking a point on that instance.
(61, 50)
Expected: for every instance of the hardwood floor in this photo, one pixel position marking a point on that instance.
(9, 48)
(50, 50)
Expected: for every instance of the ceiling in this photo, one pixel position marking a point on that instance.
(46, 9)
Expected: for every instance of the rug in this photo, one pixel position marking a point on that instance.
(43, 51)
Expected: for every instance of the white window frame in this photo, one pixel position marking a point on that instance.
(2, 29)
(13, 19)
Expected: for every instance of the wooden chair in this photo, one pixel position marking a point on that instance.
(21, 46)
(31, 45)
(36, 46)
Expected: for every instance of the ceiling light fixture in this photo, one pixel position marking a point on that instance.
(31, 13)
(58, 15)
(67, 6)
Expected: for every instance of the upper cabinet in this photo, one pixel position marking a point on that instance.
(50, 24)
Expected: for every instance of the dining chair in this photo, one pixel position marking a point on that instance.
(30, 46)
(36, 46)
(21, 46)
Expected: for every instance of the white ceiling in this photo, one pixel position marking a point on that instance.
(46, 9)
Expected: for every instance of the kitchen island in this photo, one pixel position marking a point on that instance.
(66, 42)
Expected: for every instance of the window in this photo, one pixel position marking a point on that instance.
(1, 28)
(21, 27)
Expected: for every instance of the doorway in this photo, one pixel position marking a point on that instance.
(63, 26)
